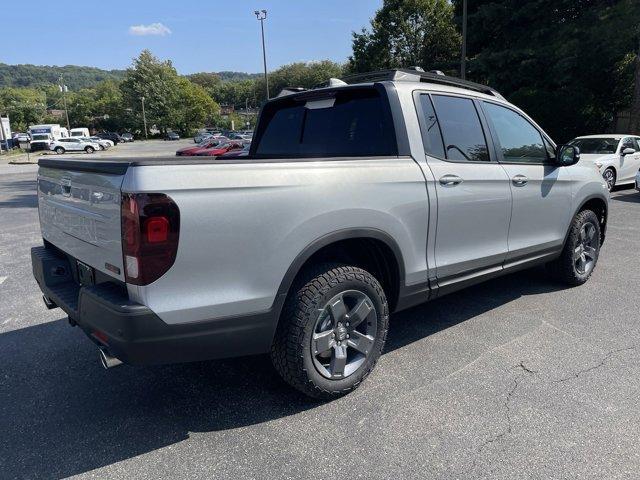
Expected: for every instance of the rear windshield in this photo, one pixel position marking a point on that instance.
(596, 145)
(349, 123)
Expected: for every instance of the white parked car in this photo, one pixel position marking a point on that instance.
(102, 142)
(63, 145)
(616, 156)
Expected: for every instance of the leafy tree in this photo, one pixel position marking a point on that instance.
(157, 82)
(557, 59)
(306, 75)
(25, 106)
(206, 80)
(194, 107)
(405, 33)
(41, 76)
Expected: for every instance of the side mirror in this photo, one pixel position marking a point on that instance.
(628, 151)
(567, 155)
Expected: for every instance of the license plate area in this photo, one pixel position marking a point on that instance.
(86, 275)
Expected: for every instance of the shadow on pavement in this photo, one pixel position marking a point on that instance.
(62, 414)
(21, 199)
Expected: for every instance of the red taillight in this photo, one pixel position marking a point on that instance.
(150, 231)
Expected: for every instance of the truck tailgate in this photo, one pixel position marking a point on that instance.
(80, 213)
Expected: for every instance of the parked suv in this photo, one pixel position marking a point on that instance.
(72, 144)
(359, 199)
(113, 136)
(616, 156)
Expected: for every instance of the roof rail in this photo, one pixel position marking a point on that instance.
(413, 75)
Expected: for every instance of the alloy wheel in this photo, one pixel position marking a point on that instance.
(610, 178)
(344, 334)
(585, 252)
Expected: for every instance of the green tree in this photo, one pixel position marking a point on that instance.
(194, 107)
(568, 63)
(405, 33)
(25, 106)
(158, 82)
(306, 75)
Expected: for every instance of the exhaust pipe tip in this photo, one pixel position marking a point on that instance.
(108, 361)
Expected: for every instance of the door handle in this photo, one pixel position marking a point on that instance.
(450, 180)
(519, 180)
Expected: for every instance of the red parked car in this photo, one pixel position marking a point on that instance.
(211, 143)
(238, 153)
(220, 149)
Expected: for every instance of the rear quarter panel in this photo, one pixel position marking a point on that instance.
(244, 223)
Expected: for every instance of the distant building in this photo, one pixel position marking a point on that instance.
(226, 109)
(56, 113)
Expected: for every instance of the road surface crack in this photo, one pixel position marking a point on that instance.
(600, 364)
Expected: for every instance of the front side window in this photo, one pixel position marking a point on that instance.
(352, 122)
(520, 140)
(628, 143)
(464, 138)
(596, 145)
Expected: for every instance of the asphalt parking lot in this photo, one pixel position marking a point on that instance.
(516, 378)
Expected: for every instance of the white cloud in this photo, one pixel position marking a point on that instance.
(151, 29)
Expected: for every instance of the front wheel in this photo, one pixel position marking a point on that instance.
(89, 149)
(609, 176)
(332, 331)
(581, 251)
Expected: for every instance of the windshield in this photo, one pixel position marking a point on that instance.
(76, 134)
(600, 145)
(41, 137)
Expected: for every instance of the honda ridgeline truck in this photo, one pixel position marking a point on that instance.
(358, 199)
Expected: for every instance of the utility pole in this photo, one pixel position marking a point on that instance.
(262, 15)
(463, 60)
(144, 119)
(63, 89)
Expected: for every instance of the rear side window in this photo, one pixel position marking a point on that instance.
(520, 140)
(464, 138)
(349, 123)
(431, 137)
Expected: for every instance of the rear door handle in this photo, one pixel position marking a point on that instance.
(519, 180)
(450, 180)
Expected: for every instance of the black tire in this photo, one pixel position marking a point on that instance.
(89, 149)
(567, 268)
(101, 147)
(59, 150)
(302, 316)
(610, 177)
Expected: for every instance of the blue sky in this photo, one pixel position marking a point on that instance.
(197, 35)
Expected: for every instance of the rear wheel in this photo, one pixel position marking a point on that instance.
(332, 331)
(581, 251)
(101, 147)
(59, 150)
(89, 149)
(609, 176)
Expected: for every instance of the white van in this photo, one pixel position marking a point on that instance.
(79, 132)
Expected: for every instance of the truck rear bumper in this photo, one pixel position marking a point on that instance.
(135, 334)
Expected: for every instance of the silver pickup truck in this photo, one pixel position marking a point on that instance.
(359, 199)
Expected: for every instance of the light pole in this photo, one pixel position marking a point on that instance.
(144, 120)
(463, 62)
(262, 15)
(63, 89)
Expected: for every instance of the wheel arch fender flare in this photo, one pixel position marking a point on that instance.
(328, 239)
(582, 204)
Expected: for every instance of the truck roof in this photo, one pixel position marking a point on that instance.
(405, 77)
